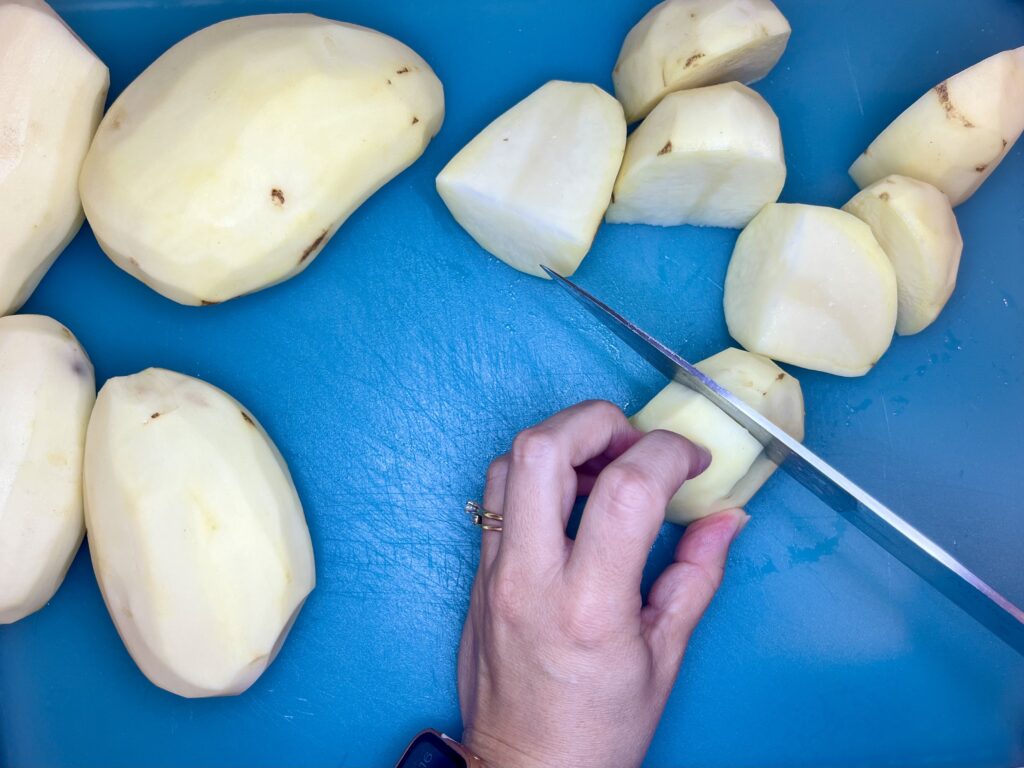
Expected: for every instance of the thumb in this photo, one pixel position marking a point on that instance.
(682, 593)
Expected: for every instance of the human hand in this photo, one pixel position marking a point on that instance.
(560, 663)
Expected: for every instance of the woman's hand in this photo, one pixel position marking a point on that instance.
(561, 664)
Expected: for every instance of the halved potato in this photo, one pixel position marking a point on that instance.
(197, 535)
(739, 466)
(47, 390)
(531, 188)
(230, 161)
(52, 89)
(811, 286)
(708, 156)
(916, 227)
(955, 135)
(689, 43)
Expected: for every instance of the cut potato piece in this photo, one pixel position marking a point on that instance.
(689, 43)
(739, 466)
(52, 89)
(532, 187)
(197, 535)
(228, 164)
(955, 135)
(710, 156)
(46, 393)
(916, 227)
(811, 286)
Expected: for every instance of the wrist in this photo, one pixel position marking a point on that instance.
(498, 753)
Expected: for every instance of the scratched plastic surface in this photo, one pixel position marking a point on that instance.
(393, 369)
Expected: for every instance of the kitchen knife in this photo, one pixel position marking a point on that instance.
(898, 537)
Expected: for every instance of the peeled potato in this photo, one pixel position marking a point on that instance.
(739, 466)
(197, 535)
(955, 135)
(227, 165)
(811, 286)
(916, 227)
(709, 156)
(689, 43)
(52, 89)
(46, 393)
(531, 188)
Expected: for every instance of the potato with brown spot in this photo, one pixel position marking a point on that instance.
(227, 202)
(957, 133)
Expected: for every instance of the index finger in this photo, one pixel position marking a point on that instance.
(541, 484)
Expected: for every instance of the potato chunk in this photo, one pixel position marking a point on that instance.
(47, 390)
(52, 90)
(531, 188)
(955, 135)
(739, 466)
(709, 156)
(916, 227)
(689, 43)
(197, 535)
(228, 164)
(811, 286)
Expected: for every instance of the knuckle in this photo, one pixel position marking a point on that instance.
(534, 445)
(627, 487)
(603, 409)
(703, 581)
(583, 626)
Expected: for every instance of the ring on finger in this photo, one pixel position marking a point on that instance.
(484, 518)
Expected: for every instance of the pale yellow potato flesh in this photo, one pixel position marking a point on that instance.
(47, 389)
(531, 188)
(956, 134)
(229, 163)
(52, 90)
(683, 44)
(811, 286)
(197, 535)
(916, 227)
(708, 156)
(739, 466)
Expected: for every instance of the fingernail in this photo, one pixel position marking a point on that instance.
(742, 518)
(703, 459)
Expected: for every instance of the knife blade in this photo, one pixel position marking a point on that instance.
(898, 537)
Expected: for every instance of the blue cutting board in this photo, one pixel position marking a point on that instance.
(397, 365)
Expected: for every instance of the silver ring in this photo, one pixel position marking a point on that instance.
(481, 517)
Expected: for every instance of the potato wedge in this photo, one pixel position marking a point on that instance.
(708, 156)
(689, 43)
(228, 164)
(955, 135)
(47, 389)
(739, 466)
(811, 286)
(531, 188)
(52, 90)
(916, 227)
(197, 535)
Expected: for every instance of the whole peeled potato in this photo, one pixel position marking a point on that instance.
(228, 164)
(52, 89)
(197, 534)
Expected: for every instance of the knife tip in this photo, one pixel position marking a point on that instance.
(551, 273)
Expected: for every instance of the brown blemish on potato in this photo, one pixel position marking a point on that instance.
(666, 149)
(1004, 143)
(388, 82)
(66, 332)
(981, 168)
(693, 15)
(277, 196)
(415, 119)
(942, 91)
(401, 71)
(613, 195)
(115, 122)
(133, 261)
(79, 368)
(155, 416)
(313, 246)
(248, 419)
(207, 303)
(505, 139)
(780, 377)
(693, 60)
(884, 196)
